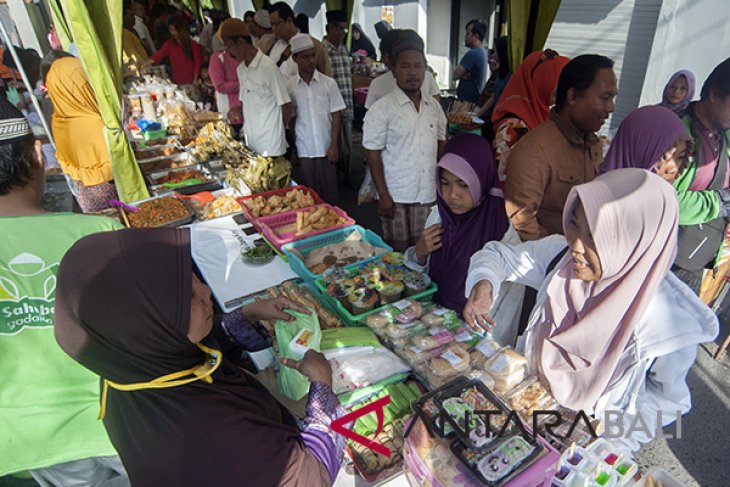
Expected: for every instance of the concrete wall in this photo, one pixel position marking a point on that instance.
(691, 34)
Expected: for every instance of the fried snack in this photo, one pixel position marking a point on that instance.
(317, 219)
(271, 205)
(301, 295)
(221, 206)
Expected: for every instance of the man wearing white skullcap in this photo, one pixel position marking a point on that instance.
(319, 107)
(263, 37)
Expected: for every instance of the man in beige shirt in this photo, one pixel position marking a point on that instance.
(562, 152)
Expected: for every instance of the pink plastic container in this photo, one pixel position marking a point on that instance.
(422, 452)
(280, 229)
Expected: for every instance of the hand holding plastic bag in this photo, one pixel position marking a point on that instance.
(290, 381)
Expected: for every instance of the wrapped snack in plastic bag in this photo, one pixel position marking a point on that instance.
(508, 368)
(356, 367)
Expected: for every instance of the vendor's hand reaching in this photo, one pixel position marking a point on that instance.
(271, 309)
(314, 366)
(430, 241)
(476, 311)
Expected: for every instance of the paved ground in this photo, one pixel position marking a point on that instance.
(698, 458)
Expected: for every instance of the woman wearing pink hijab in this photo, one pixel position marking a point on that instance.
(610, 314)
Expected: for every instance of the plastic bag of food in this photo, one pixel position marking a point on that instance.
(353, 368)
(293, 337)
(368, 192)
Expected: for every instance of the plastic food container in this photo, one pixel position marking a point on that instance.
(244, 201)
(205, 211)
(304, 247)
(280, 229)
(531, 395)
(508, 369)
(259, 253)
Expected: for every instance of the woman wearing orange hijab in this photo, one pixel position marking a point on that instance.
(525, 102)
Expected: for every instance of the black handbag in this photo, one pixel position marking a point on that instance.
(699, 244)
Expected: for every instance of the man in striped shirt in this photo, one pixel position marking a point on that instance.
(334, 44)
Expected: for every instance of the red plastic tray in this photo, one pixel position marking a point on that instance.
(273, 226)
(243, 200)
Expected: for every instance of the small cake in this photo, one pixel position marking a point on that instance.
(362, 300)
(389, 291)
(394, 258)
(338, 291)
(397, 273)
(416, 282)
(378, 321)
(331, 275)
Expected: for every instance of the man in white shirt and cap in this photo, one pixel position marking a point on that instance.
(266, 104)
(281, 17)
(319, 107)
(403, 134)
(260, 27)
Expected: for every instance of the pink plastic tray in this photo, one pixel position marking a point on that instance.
(280, 229)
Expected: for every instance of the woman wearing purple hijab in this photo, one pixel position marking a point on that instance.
(469, 213)
(651, 138)
(679, 91)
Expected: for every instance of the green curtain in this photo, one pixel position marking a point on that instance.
(59, 21)
(346, 5)
(96, 27)
(518, 24)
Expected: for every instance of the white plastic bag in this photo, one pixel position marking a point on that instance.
(368, 192)
(356, 367)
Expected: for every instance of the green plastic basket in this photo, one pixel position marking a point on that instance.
(359, 320)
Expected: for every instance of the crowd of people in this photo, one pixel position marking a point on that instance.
(591, 265)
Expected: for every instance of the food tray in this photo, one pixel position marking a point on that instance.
(536, 470)
(158, 189)
(199, 207)
(282, 191)
(455, 390)
(141, 144)
(157, 151)
(274, 227)
(163, 163)
(123, 214)
(359, 320)
(425, 417)
(304, 247)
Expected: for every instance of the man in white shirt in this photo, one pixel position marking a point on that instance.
(385, 83)
(319, 107)
(404, 133)
(141, 29)
(281, 17)
(266, 104)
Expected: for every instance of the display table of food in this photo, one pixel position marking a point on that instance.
(254, 236)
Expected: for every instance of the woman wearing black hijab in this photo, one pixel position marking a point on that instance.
(361, 42)
(177, 410)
